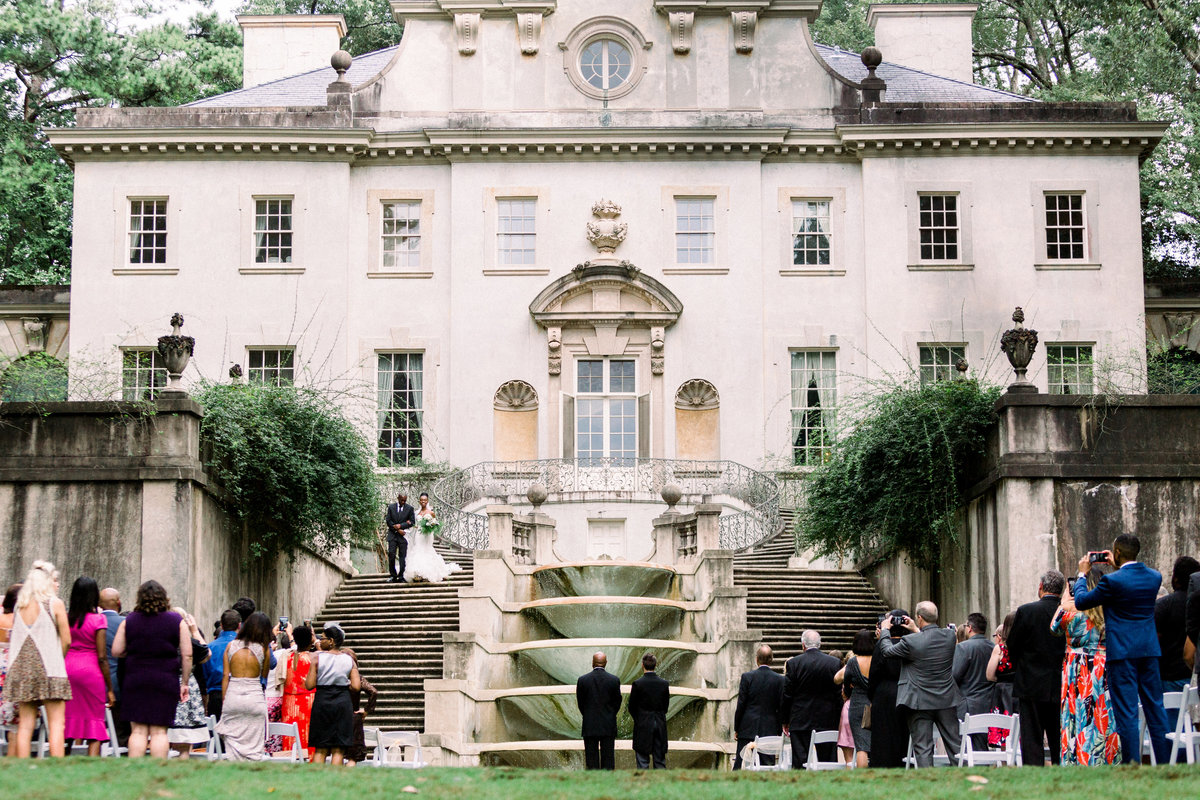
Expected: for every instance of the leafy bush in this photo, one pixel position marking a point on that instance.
(35, 378)
(1174, 371)
(894, 483)
(291, 466)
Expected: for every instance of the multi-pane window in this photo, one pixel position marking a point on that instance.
(938, 225)
(1069, 368)
(606, 64)
(814, 405)
(1066, 229)
(148, 231)
(938, 362)
(606, 409)
(695, 230)
(142, 374)
(402, 233)
(516, 230)
(399, 408)
(810, 233)
(275, 367)
(273, 230)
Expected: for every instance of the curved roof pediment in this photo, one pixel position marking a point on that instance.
(605, 293)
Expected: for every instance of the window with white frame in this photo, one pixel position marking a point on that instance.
(271, 366)
(516, 231)
(606, 63)
(938, 227)
(1069, 368)
(148, 230)
(606, 409)
(1066, 226)
(811, 233)
(401, 246)
(273, 230)
(399, 408)
(695, 230)
(814, 406)
(143, 374)
(938, 362)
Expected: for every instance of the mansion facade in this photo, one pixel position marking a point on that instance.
(637, 229)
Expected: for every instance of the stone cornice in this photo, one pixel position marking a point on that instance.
(309, 144)
(795, 8)
(1061, 138)
(409, 9)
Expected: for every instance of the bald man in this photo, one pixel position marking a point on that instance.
(759, 696)
(598, 695)
(110, 606)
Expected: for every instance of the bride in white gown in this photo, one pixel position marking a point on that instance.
(423, 563)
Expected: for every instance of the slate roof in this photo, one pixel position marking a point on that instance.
(904, 84)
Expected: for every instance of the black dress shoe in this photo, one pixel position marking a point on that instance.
(393, 579)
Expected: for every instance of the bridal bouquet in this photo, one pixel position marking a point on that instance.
(429, 524)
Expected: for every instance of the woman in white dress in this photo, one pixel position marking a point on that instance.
(423, 562)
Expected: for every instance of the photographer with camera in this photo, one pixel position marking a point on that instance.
(1037, 657)
(1127, 596)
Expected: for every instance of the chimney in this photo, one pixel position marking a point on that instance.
(931, 37)
(277, 46)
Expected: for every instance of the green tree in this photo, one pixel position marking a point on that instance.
(369, 23)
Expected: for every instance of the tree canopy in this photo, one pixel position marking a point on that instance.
(369, 23)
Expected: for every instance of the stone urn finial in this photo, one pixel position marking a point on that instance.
(176, 350)
(1018, 344)
(536, 495)
(606, 234)
(671, 495)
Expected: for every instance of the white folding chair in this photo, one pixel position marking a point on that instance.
(814, 763)
(10, 735)
(968, 756)
(940, 759)
(38, 747)
(1170, 700)
(399, 749)
(292, 729)
(111, 749)
(216, 751)
(371, 740)
(780, 747)
(1185, 737)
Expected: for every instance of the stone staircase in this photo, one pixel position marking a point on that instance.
(396, 631)
(783, 604)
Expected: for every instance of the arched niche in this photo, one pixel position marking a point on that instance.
(697, 421)
(515, 422)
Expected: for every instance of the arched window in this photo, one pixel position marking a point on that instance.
(35, 378)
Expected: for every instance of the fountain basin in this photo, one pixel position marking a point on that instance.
(551, 712)
(566, 661)
(609, 617)
(605, 579)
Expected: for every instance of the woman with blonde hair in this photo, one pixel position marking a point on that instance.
(37, 670)
(1087, 736)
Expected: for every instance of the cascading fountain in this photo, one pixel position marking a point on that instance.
(530, 625)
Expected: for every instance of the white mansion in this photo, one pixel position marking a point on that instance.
(636, 228)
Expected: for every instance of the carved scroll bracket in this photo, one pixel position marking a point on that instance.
(744, 25)
(554, 350)
(466, 27)
(682, 27)
(657, 345)
(529, 31)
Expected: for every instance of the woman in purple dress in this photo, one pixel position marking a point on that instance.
(157, 648)
(87, 668)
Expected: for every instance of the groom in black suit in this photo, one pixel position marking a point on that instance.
(598, 695)
(399, 518)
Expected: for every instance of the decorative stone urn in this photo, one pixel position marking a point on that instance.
(176, 350)
(606, 234)
(1018, 344)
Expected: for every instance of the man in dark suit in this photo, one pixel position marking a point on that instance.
(1192, 623)
(399, 518)
(1127, 596)
(110, 607)
(926, 688)
(811, 701)
(1037, 658)
(649, 697)
(970, 673)
(757, 714)
(598, 695)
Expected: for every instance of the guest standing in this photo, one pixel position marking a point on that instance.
(297, 698)
(759, 694)
(1170, 622)
(1037, 656)
(110, 607)
(889, 722)
(87, 668)
(1087, 736)
(811, 701)
(971, 659)
(1001, 672)
(363, 701)
(598, 696)
(37, 671)
(857, 675)
(331, 732)
(8, 711)
(157, 648)
(214, 670)
(243, 723)
(190, 726)
(649, 701)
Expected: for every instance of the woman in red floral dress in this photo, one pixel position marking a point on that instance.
(297, 701)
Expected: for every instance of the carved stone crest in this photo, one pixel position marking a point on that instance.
(554, 350)
(605, 233)
(35, 333)
(697, 395)
(515, 396)
(657, 343)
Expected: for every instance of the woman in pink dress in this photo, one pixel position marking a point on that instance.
(87, 668)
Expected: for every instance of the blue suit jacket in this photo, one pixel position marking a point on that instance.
(1128, 596)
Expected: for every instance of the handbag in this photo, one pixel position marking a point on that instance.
(866, 720)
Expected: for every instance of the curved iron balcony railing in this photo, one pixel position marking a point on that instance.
(621, 479)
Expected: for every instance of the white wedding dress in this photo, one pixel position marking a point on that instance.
(422, 562)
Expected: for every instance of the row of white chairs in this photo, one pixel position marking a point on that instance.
(1185, 737)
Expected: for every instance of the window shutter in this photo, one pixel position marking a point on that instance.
(568, 426)
(643, 423)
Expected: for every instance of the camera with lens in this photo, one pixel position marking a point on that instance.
(898, 620)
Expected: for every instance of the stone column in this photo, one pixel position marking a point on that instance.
(545, 531)
(664, 538)
(708, 534)
(500, 529)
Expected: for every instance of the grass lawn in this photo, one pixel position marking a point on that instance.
(80, 778)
